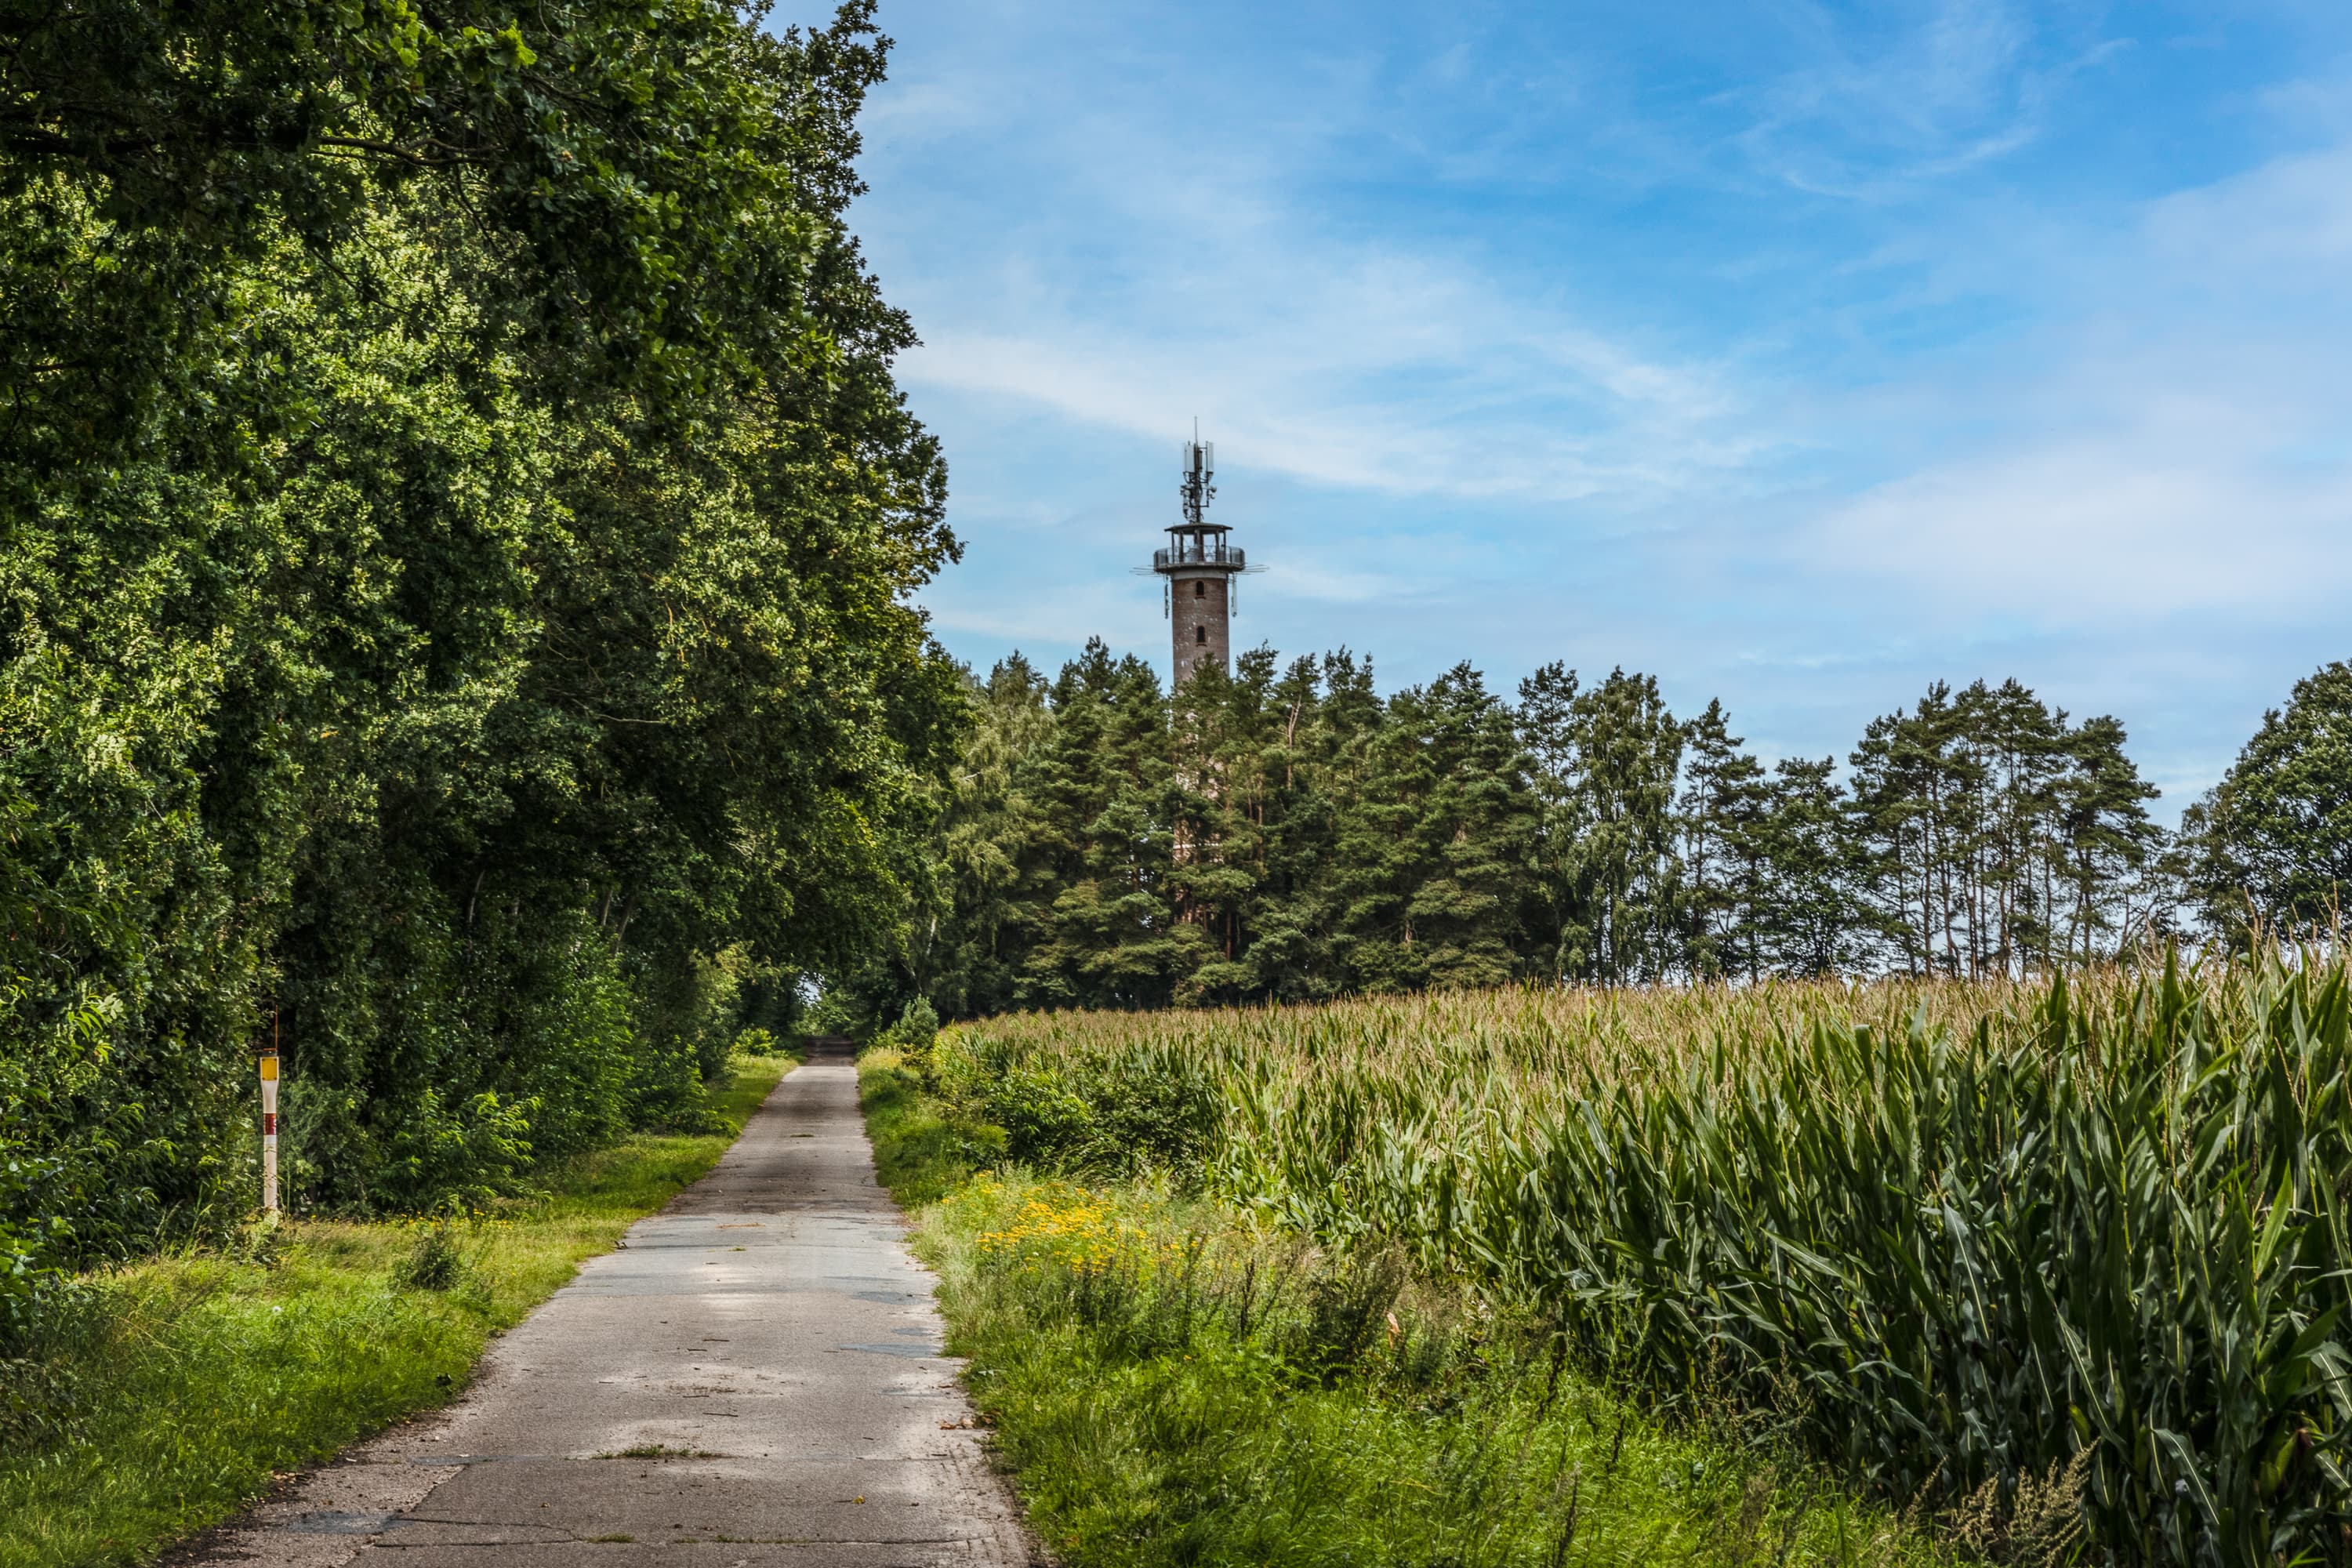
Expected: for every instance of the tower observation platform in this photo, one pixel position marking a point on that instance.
(1199, 567)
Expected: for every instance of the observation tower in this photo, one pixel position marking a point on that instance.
(1198, 568)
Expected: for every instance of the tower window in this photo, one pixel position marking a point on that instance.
(1200, 634)
(1200, 589)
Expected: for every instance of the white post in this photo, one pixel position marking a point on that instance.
(269, 1130)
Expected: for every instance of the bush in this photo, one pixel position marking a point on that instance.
(1092, 1114)
(445, 1255)
(435, 1263)
(31, 1283)
(916, 1031)
(1046, 1122)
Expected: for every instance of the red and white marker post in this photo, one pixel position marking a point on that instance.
(269, 1130)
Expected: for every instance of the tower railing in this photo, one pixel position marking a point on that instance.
(1202, 554)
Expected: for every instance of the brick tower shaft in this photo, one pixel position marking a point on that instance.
(1200, 613)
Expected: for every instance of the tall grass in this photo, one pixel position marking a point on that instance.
(1959, 1234)
(168, 1394)
(1174, 1389)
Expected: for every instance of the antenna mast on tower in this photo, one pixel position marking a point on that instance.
(1200, 467)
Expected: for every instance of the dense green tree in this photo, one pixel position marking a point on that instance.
(1996, 836)
(456, 528)
(1625, 907)
(1284, 832)
(1433, 841)
(1549, 730)
(2105, 847)
(1801, 913)
(1723, 795)
(971, 955)
(2272, 844)
(1105, 782)
(1324, 707)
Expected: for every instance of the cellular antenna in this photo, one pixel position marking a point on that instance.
(1200, 468)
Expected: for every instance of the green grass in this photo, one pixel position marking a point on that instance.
(1171, 1384)
(197, 1378)
(921, 1150)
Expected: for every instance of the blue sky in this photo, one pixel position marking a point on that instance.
(1801, 355)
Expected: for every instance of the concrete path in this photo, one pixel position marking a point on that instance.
(769, 1324)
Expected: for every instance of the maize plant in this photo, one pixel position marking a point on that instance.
(1961, 1232)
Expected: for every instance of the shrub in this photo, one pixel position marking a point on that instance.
(1045, 1123)
(916, 1029)
(437, 1262)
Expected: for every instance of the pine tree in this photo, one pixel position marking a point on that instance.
(1625, 897)
(999, 885)
(1722, 799)
(1805, 918)
(1473, 834)
(1289, 954)
(1548, 728)
(1291, 836)
(1993, 838)
(1109, 790)
(2104, 843)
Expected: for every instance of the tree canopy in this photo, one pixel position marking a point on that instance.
(1284, 832)
(456, 534)
(2272, 844)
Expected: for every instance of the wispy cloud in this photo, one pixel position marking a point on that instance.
(1162, 263)
(2177, 446)
(1803, 353)
(1356, 361)
(1875, 109)
(2177, 515)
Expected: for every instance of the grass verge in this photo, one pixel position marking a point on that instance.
(922, 1149)
(193, 1381)
(1171, 1386)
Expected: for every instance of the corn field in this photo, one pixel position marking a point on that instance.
(1963, 1231)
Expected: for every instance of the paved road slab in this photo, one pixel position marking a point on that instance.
(753, 1376)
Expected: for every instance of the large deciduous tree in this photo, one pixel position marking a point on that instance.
(456, 523)
(2272, 844)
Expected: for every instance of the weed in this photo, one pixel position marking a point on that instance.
(1348, 1302)
(2032, 1524)
(261, 1241)
(436, 1262)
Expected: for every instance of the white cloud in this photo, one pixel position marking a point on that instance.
(1361, 367)
(1966, 413)
(2270, 226)
(1345, 440)
(1145, 256)
(2180, 447)
(2099, 532)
